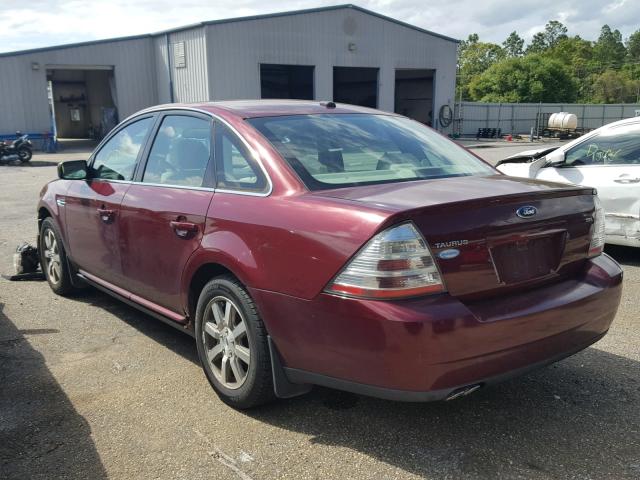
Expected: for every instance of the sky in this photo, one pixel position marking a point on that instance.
(41, 23)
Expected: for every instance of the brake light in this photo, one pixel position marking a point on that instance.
(395, 263)
(597, 230)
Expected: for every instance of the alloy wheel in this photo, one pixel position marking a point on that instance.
(224, 335)
(52, 257)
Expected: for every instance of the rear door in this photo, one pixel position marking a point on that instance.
(93, 205)
(163, 212)
(610, 162)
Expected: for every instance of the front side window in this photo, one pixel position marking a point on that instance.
(180, 152)
(613, 146)
(235, 167)
(342, 150)
(116, 160)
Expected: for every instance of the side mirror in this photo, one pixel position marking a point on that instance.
(555, 158)
(73, 170)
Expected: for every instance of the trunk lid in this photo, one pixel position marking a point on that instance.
(491, 234)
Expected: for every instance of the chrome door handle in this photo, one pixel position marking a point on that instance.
(183, 229)
(106, 215)
(627, 180)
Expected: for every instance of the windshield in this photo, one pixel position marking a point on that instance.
(344, 150)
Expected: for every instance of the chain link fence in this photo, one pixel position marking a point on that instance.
(520, 118)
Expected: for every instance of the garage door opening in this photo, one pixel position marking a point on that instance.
(356, 85)
(414, 94)
(82, 102)
(286, 81)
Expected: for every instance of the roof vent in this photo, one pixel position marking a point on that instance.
(328, 104)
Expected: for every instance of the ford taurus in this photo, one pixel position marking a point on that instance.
(306, 243)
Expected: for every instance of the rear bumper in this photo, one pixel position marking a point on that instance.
(300, 376)
(426, 348)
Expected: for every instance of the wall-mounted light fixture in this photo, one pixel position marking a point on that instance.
(351, 47)
(35, 66)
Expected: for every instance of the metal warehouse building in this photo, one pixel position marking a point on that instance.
(344, 53)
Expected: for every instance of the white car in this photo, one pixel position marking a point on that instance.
(607, 159)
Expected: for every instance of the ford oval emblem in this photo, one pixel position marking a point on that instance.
(526, 211)
(449, 253)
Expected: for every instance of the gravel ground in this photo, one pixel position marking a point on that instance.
(90, 388)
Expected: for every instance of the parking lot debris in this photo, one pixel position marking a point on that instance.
(26, 263)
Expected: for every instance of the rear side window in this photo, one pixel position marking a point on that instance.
(613, 146)
(116, 160)
(180, 152)
(235, 168)
(342, 150)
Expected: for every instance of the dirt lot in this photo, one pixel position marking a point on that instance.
(90, 388)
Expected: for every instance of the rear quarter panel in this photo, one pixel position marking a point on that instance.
(292, 245)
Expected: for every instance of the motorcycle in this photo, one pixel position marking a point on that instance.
(20, 149)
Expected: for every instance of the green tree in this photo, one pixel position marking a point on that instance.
(554, 31)
(609, 51)
(613, 86)
(633, 46)
(553, 67)
(576, 54)
(514, 45)
(538, 44)
(533, 78)
(471, 39)
(474, 58)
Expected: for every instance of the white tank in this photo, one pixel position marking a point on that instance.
(563, 120)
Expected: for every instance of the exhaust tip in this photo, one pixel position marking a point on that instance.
(463, 392)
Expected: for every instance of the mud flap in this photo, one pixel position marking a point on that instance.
(282, 386)
(76, 280)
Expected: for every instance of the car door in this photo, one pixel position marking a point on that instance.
(163, 213)
(610, 162)
(92, 205)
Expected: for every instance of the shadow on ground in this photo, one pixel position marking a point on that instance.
(576, 419)
(41, 434)
(628, 256)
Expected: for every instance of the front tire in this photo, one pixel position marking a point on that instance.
(24, 154)
(53, 258)
(232, 344)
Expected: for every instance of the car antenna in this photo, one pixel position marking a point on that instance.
(328, 104)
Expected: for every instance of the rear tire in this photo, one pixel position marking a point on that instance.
(232, 344)
(53, 258)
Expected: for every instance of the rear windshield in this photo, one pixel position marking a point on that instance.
(345, 150)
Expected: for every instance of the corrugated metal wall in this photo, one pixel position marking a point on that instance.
(190, 83)
(23, 90)
(235, 51)
(162, 68)
(519, 118)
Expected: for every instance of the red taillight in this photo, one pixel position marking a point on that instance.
(396, 263)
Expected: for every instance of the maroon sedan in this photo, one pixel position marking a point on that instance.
(306, 243)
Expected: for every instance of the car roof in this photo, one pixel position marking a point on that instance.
(271, 108)
(618, 123)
